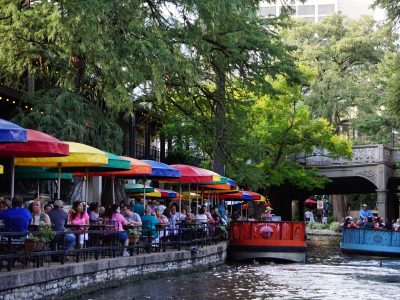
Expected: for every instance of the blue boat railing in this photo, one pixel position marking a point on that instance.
(372, 237)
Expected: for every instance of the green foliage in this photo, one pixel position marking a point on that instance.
(334, 226)
(135, 232)
(71, 117)
(45, 234)
(283, 126)
(349, 88)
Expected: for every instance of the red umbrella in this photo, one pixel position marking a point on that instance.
(310, 201)
(38, 144)
(191, 174)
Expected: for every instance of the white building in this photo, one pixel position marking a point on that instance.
(316, 10)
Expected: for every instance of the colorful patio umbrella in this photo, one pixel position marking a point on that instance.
(136, 188)
(138, 168)
(191, 174)
(38, 144)
(1, 169)
(115, 163)
(160, 170)
(39, 173)
(80, 155)
(11, 133)
(310, 201)
(159, 193)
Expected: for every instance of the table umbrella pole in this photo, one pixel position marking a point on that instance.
(197, 200)
(144, 192)
(87, 189)
(12, 177)
(59, 183)
(113, 188)
(190, 202)
(180, 196)
(38, 187)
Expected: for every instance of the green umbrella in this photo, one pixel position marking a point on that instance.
(137, 188)
(115, 163)
(38, 173)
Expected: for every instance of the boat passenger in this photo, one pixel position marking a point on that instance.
(369, 224)
(396, 226)
(365, 213)
(267, 214)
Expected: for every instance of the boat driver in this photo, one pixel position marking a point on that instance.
(365, 213)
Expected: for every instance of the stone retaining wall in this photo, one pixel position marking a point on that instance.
(74, 278)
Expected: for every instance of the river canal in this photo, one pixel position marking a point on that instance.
(326, 275)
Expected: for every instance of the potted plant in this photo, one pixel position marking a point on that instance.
(134, 235)
(36, 240)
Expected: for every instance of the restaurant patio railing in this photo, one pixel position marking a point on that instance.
(101, 241)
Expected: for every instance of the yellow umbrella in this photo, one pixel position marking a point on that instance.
(1, 169)
(80, 155)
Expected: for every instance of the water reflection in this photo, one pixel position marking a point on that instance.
(326, 275)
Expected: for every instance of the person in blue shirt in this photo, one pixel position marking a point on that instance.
(139, 207)
(149, 222)
(222, 209)
(16, 219)
(365, 213)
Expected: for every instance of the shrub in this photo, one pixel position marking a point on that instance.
(334, 226)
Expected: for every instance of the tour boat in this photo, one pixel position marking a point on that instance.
(370, 241)
(270, 240)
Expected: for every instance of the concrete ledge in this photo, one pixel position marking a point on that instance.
(67, 280)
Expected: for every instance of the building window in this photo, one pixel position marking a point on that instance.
(326, 9)
(267, 11)
(306, 10)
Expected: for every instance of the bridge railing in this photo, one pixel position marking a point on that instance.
(361, 155)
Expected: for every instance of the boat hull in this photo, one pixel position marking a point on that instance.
(280, 241)
(290, 254)
(370, 242)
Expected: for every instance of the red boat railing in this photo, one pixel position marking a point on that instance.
(267, 233)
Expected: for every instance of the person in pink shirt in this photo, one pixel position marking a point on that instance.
(114, 214)
(77, 216)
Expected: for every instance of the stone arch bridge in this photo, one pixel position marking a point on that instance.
(372, 169)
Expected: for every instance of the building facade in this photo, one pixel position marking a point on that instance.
(317, 10)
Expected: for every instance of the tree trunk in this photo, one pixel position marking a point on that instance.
(339, 207)
(220, 116)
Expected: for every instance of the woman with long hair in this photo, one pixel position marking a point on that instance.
(114, 214)
(77, 216)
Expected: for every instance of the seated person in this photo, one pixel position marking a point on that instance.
(59, 218)
(396, 226)
(369, 224)
(149, 223)
(132, 217)
(113, 214)
(16, 219)
(39, 217)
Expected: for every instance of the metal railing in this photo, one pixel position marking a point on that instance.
(17, 252)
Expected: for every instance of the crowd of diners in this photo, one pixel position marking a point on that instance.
(367, 220)
(148, 217)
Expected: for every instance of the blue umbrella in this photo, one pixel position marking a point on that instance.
(160, 170)
(11, 133)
